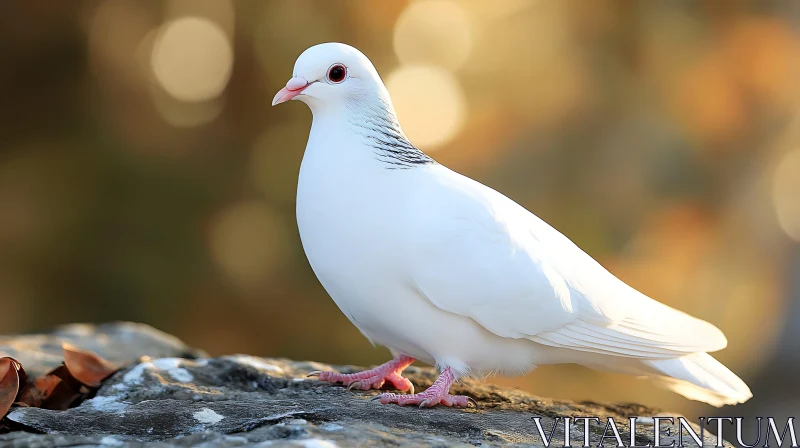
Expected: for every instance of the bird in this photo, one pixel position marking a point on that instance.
(440, 268)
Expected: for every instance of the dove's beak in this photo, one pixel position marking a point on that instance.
(294, 87)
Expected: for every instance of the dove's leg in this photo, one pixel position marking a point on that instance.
(373, 378)
(439, 392)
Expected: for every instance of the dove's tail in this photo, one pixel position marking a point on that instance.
(700, 377)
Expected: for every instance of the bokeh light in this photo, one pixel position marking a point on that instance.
(192, 59)
(433, 32)
(430, 104)
(249, 241)
(786, 193)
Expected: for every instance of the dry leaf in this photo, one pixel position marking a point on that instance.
(67, 392)
(66, 385)
(9, 383)
(87, 367)
(36, 393)
(22, 374)
(56, 390)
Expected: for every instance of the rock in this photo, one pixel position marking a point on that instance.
(121, 343)
(244, 401)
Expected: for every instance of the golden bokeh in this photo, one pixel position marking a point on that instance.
(192, 59)
(249, 242)
(429, 102)
(433, 32)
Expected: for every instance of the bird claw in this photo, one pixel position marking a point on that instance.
(373, 378)
(471, 403)
(375, 397)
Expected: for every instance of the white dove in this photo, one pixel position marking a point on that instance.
(443, 269)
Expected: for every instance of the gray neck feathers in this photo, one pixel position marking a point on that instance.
(377, 123)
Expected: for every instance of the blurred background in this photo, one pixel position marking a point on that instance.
(144, 175)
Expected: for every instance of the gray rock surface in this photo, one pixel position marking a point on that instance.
(119, 342)
(172, 400)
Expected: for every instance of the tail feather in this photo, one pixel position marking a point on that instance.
(700, 377)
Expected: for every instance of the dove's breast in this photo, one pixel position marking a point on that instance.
(355, 221)
(351, 230)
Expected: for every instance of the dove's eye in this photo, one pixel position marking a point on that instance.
(337, 73)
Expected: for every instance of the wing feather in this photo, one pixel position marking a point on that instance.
(478, 254)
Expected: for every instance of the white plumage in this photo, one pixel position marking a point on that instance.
(438, 267)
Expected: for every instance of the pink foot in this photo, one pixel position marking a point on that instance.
(436, 394)
(373, 378)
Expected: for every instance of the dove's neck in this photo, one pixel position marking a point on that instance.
(369, 126)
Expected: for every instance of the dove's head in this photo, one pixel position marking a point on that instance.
(331, 75)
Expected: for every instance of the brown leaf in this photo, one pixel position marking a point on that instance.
(56, 390)
(87, 367)
(39, 391)
(9, 384)
(62, 387)
(22, 374)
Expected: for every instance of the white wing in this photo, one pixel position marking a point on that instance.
(478, 254)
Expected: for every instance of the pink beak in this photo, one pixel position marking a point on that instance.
(294, 87)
